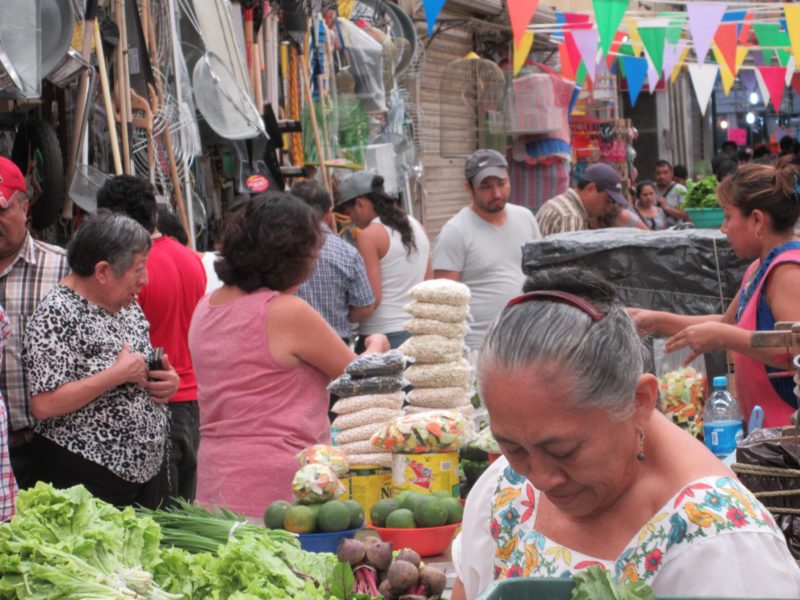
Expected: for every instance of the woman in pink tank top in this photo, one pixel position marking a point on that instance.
(263, 358)
(761, 204)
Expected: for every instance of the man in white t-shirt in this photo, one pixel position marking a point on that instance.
(670, 193)
(481, 246)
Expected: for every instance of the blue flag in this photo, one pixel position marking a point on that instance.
(432, 10)
(636, 73)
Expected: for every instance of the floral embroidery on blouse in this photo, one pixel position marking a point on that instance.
(707, 507)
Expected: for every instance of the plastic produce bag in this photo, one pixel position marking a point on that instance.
(364, 417)
(432, 349)
(314, 484)
(452, 374)
(392, 362)
(430, 431)
(346, 385)
(431, 327)
(353, 404)
(365, 58)
(320, 454)
(443, 397)
(441, 291)
(448, 313)
(682, 389)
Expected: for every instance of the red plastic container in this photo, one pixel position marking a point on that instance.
(425, 541)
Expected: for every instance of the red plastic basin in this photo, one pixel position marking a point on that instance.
(425, 541)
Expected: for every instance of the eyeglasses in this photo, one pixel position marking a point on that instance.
(563, 297)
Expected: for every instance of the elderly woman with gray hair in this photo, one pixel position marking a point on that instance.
(592, 473)
(98, 401)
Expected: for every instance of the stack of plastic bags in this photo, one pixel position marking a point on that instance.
(370, 395)
(440, 375)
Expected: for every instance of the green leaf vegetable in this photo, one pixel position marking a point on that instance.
(595, 583)
(701, 194)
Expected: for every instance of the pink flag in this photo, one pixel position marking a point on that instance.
(775, 82)
(587, 40)
(704, 18)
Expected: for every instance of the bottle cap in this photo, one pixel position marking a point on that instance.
(720, 381)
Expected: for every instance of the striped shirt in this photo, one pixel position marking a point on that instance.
(338, 282)
(24, 284)
(562, 213)
(8, 485)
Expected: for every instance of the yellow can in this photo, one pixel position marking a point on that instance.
(426, 473)
(366, 485)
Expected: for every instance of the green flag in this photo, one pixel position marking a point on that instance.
(777, 41)
(653, 39)
(608, 14)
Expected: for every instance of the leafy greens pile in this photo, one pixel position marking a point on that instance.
(702, 194)
(68, 544)
(595, 583)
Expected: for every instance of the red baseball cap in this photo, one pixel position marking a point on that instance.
(11, 180)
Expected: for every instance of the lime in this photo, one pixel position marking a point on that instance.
(402, 518)
(412, 499)
(442, 494)
(455, 510)
(300, 519)
(430, 512)
(333, 516)
(356, 513)
(273, 517)
(381, 509)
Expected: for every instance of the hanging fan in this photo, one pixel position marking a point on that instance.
(472, 107)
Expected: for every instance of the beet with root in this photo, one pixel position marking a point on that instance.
(385, 590)
(351, 551)
(433, 580)
(379, 555)
(402, 576)
(409, 555)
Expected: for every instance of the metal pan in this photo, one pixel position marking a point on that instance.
(58, 24)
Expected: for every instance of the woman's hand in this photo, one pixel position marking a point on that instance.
(376, 343)
(166, 382)
(701, 338)
(645, 320)
(130, 367)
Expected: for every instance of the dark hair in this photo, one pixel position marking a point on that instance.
(663, 163)
(786, 144)
(313, 194)
(761, 151)
(391, 213)
(106, 236)
(130, 195)
(169, 224)
(641, 185)
(765, 188)
(680, 171)
(730, 145)
(270, 242)
(725, 168)
(744, 156)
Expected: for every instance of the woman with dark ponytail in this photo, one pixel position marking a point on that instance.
(761, 204)
(394, 246)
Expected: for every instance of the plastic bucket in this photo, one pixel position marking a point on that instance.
(425, 541)
(324, 542)
(706, 218)
(366, 485)
(426, 473)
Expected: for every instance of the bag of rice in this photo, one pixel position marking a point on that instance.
(441, 291)
(378, 363)
(346, 385)
(320, 454)
(452, 374)
(446, 397)
(313, 484)
(362, 447)
(345, 406)
(382, 459)
(431, 327)
(356, 434)
(432, 349)
(447, 313)
(364, 417)
(429, 431)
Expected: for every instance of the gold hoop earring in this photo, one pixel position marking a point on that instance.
(640, 454)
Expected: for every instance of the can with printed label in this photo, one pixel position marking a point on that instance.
(366, 485)
(426, 473)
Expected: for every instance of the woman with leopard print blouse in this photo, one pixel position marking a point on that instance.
(101, 415)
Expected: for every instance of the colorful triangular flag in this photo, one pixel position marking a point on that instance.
(741, 55)
(635, 72)
(653, 35)
(774, 80)
(725, 39)
(432, 10)
(748, 79)
(522, 51)
(608, 16)
(615, 46)
(762, 87)
(725, 71)
(703, 78)
(681, 60)
(672, 53)
(652, 77)
(633, 33)
(520, 13)
(587, 40)
(704, 18)
(792, 12)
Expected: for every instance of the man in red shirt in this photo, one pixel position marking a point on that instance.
(176, 282)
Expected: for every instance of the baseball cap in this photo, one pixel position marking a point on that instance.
(607, 180)
(11, 180)
(353, 185)
(485, 163)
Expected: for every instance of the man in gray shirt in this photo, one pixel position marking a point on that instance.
(481, 246)
(670, 194)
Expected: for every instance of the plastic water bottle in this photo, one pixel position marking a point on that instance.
(722, 420)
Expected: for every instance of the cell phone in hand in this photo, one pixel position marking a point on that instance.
(156, 360)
